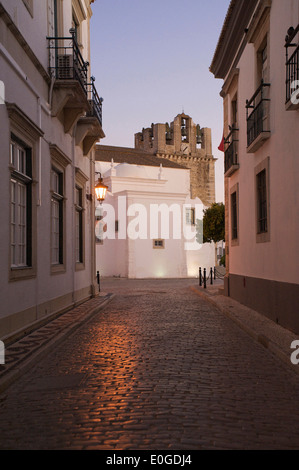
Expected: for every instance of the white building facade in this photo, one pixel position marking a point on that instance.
(50, 116)
(257, 56)
(148, 226)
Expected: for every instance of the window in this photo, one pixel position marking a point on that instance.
(57, 200)
(52, 18)
(262, 202)
(159, 243)
(21, 158)
(258, 106)
(234, 215)
(190, 216)
(78, 16)
(79, 203)
(262, 63)
(59, 161)
(79, 224)
(21, 206)
(231, 135)
(264, 56)
(234, 112)
(76, 26)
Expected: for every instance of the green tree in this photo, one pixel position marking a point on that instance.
(213, 225)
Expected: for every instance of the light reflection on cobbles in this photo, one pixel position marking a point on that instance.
(157, 368)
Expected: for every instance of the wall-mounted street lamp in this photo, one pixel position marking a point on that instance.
(100, 189)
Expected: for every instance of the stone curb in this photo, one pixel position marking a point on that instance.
(273, 337)
(21, 366)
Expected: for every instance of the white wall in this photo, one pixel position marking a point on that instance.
(140, 189)
(25, 87)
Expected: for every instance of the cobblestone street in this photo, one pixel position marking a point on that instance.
(156, 368)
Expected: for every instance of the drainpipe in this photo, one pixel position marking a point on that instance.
(51, 90)
(92, 226)
(39, 120)
(73, 179)
(39, 198)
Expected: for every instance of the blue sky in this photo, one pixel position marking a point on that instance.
(151, 61)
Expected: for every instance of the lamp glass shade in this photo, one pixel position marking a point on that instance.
(100, 190)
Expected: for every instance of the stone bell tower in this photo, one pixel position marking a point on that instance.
(188, 145)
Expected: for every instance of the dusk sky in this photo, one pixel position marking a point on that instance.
(151, 62)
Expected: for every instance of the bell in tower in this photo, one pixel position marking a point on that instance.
(183, 128)
(198, 134)
(167, 132)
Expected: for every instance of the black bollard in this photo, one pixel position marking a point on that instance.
(200, 279)
(205, 278)
(211, 274)
(98, 279)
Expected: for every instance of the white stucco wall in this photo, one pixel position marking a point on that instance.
(27, 300)
(136, 193)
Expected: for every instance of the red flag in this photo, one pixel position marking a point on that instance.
(221, 146)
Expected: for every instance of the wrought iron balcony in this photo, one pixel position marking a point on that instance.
(257, 109)
(75, 99)
(95, 101)
(66, 61)
(231, 163)
(292, 69)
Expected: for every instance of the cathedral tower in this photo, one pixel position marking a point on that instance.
(187, 144)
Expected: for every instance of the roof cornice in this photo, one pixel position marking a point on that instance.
(233, 31)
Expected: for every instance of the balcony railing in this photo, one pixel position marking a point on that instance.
(292, 67)
(231, 162)
(95, 101)
(66, 61)
(258, 114)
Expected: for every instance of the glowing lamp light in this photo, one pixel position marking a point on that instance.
(100, 190)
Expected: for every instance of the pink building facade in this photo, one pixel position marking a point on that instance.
(257, 59)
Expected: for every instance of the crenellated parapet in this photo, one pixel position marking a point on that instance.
(187, 144)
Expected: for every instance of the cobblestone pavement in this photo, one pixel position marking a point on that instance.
(156, 368)
(19, 353)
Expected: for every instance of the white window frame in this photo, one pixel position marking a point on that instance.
(57, 216)
(25, 132)
(21, 185)
(80, 206)
(59, 163)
